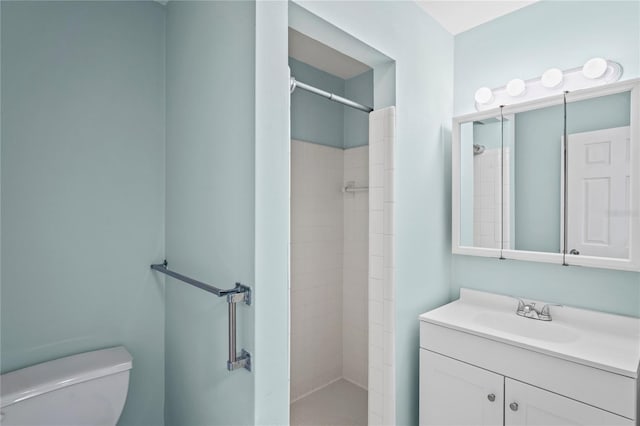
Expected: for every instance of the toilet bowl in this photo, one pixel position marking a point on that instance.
(84, 389)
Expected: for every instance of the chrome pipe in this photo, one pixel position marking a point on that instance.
(293, 84)
(232, 333)
(162, 267)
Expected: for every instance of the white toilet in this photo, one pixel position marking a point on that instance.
(83, 389)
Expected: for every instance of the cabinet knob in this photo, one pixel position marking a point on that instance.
(513, 406)
(491, 397)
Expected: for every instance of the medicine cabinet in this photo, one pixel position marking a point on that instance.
(521, 192)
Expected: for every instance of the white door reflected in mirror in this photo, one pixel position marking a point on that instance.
(598, 185)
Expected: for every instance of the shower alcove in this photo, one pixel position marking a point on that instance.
(340, 319)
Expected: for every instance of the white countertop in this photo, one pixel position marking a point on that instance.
(596, 339)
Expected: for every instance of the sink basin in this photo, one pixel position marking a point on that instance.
(595, 339)
(525, 327)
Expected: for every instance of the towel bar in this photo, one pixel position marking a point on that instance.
(240, 293)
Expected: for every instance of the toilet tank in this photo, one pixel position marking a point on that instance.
(84, 389)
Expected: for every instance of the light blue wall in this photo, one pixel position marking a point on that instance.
(549, 33)
(423, 52)
(538, 139)
(591, 288)
(210, 206)
(272, 216)
(83, 187)
(314, 118)
(544, 35)
(356, 122)
(488, 133)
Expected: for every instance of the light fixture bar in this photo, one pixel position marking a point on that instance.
(595, 72)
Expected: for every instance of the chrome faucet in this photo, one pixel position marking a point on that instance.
(528, 310)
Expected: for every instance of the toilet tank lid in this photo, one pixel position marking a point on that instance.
(48, 376)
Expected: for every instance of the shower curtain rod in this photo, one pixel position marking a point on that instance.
(293, 83)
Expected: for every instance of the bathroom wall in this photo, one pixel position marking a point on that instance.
(319, 120)
(316, 266)
(423, 52)
(355, 288)
(210, 223)
(356, 122)
(272, 195)
(83, 174)
(314, 118)
(533, 39)
(562, 34)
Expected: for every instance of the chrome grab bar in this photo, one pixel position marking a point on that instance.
(240, 293)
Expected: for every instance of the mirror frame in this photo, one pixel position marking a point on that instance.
(630, 264)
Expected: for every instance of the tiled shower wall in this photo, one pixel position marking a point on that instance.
(355, 328)
(329, 258)
(316, 266)
(487, 203)
(382, 288)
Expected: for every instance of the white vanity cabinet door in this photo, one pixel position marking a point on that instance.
(456, 393)
(539, 407)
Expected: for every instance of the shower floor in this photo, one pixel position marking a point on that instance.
(340, 404)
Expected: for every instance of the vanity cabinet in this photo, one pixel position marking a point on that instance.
(456, 393)
(481, 364)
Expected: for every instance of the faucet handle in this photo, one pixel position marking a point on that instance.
(546, 308)
(545, 312)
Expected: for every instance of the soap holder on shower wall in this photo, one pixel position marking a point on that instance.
(351, 187)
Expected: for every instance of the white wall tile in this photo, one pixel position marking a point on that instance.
(389, 287)
(487, 203)
(376, 268)
(377, 176)
(375, 221)
(376, 247)
(388, 186)
(376, 198)
(381, 268)
(317, 235)
(355, 271)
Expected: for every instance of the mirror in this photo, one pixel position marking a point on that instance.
(599, 176)
(537, 179)
(480, 170)
(512, 180)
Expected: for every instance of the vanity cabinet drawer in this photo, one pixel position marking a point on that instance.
(611, 392)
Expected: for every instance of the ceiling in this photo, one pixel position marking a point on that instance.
(457, 16)
(318, 55)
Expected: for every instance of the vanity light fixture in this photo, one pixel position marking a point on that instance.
(484, 95)
(595, 68)
(516, 87)
(554, 81)
(552, 78)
